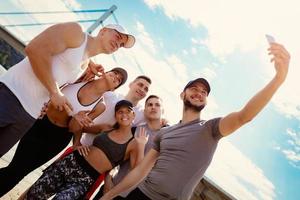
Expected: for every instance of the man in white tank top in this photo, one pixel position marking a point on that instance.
(57, 56)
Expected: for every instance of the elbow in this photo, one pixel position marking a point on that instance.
(244, 119)
(28, 50)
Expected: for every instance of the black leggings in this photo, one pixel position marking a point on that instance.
(40, 144)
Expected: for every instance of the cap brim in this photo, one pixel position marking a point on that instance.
(130, 42)
(199, 80)
(122, 104)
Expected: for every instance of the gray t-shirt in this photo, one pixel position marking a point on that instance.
(125, 167)
(185, 152)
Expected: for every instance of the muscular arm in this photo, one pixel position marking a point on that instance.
(235, 120)
(135, 176)
(50, 42)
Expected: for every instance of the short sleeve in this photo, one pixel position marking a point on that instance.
(156, 141)
(214, 126)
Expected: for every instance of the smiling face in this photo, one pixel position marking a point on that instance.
(114, 79)
(153, 109)
(112, 40)
(194, 97)
(139, 88)
(124, 116)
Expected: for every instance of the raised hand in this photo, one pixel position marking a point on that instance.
(281, 59)
(142, 137)
(92, 71)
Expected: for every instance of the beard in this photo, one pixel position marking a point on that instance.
(189, 105)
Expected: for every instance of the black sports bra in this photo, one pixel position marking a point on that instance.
(115, 152)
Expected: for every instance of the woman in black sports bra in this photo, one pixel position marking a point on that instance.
(72, 176)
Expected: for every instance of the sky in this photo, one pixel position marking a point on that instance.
(223, 41)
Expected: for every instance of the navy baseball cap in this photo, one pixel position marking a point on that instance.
(123, 103)
(200, 80)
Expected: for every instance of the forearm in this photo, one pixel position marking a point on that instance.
(132, 179)
(97, 128)
(140, 154)
(94, 129)
(135, 176)
(259, 101)
(108, 183)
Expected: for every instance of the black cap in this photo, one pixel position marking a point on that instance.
(200, 80)
(123, 103)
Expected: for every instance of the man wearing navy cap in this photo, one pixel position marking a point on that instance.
(181, 153)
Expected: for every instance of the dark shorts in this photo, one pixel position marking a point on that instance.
(14, 120)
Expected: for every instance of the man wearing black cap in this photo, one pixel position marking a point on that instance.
(182, 153)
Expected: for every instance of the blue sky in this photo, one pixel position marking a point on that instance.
(224, 42)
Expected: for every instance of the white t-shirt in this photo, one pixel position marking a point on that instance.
(108, 116)
(21, 80)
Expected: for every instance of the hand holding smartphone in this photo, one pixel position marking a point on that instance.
(270, 39)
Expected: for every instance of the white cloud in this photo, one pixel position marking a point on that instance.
(295, 137)
(241, 25)
(185, 52)
(144, 38)
(73, 4)
(292, 152)
(208, 73)
(291, 155)
(198, 42)
(233, 23)
(194, 51)
(179, 68)
(238, 175)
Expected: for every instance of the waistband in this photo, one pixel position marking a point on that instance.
(93, 173)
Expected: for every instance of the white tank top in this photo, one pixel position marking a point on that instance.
(71, 92)
(108, 116)
(21, 80)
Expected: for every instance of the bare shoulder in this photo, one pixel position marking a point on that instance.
(57, 38)
(72, 33)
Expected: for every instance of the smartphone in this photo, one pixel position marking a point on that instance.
(270, 38)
